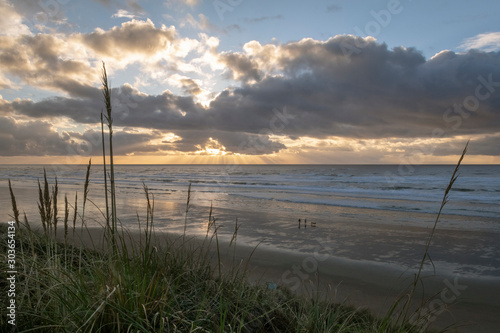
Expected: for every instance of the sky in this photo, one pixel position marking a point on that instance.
(241, 81)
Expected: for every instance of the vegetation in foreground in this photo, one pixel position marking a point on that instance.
(135, 287)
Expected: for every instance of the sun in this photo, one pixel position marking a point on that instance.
(212, 148)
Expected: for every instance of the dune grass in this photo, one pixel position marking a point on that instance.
(139, 286)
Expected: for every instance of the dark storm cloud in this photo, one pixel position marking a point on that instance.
(126, 141)
(165, 111)
(39, 138)
(33, 138)
(353, 87)
(488, 145)
(80, 110)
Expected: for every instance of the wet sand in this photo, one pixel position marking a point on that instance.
(470, 304)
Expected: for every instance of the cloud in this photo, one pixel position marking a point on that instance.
(190, 86)
(191, 3)
(233, 142)
(186, 84)
(157, 51)
(47, 61)
(11, 22)
(487, 42)
(345, 87)
(356, 87)
(122, 13)
(135, 7)
(40, 138)
(34, 138)
(487, 145)
(139, 37)
(69, 63)
(241, 67)
(128, 9)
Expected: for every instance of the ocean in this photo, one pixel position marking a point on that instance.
(377, 214)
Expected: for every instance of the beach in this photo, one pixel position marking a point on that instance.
(363, 249)
(323, 276)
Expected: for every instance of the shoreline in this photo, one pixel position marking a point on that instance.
(360, 284)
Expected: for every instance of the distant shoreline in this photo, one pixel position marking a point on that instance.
(97, 161)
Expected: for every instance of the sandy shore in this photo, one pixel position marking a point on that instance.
(472, 304)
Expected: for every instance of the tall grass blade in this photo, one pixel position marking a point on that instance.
(108, 227)
(86, 190)
(55, 191)
(47, 206)
(106, 91)
(26, 223)
(15, 211)
(41, 208)
(75, 213)
(188, 205)
(66, 218)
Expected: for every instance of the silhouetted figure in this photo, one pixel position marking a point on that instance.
(299, 223)
(305, 223)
